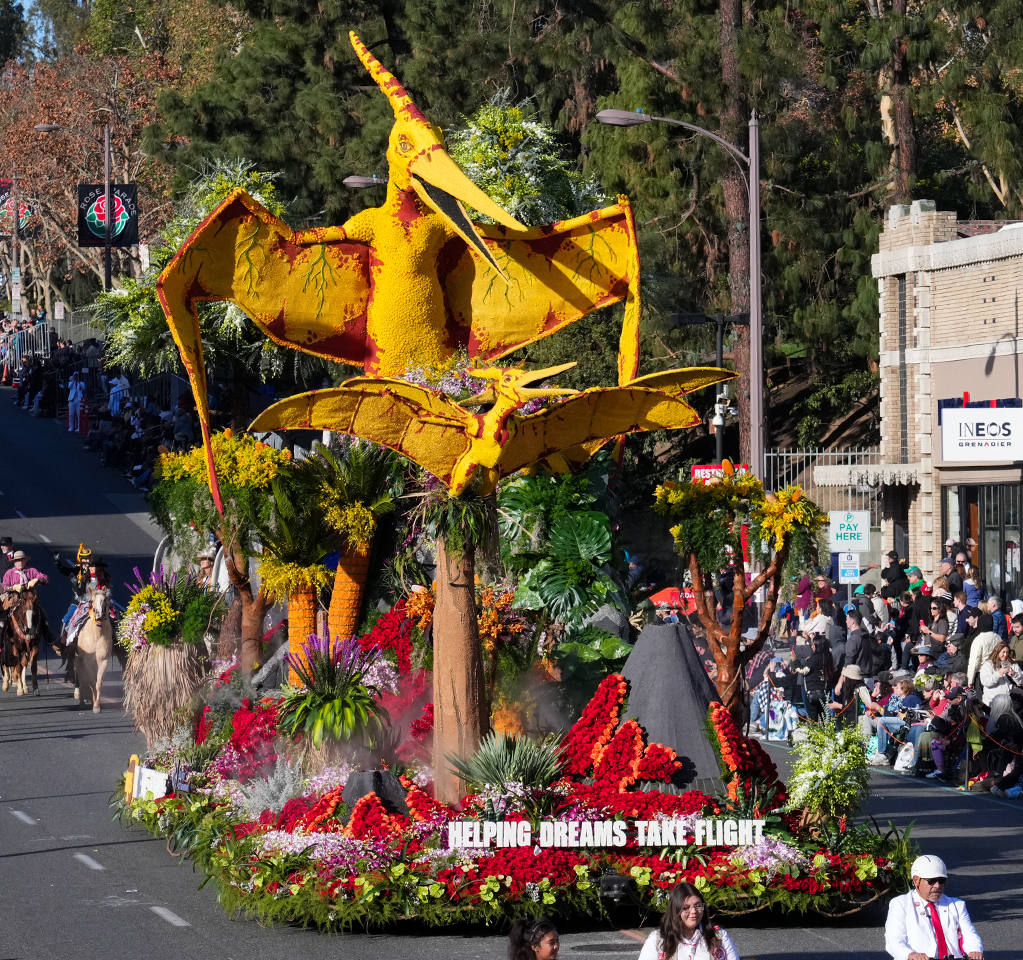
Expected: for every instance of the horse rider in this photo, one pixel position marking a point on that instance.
(21, 574)
(87, 576)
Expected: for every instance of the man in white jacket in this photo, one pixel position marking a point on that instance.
(925, 924)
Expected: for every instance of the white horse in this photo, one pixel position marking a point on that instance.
(95, 647)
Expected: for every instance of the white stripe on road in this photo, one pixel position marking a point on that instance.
(89, 862)
(170, 916)
(44, 538)
(20, 514)
(24, 817)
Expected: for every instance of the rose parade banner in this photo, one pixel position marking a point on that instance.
(7, 210)
(124, 227)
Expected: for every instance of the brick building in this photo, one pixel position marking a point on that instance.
(951, 417)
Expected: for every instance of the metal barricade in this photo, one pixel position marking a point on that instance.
(16, 347)
(797, 466)
(165, 388)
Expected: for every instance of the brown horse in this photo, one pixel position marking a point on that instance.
(26, 626)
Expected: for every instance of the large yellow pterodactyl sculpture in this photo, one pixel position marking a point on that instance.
(456, 444)
(408, 283)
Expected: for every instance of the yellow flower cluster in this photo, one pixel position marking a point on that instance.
(419, 606)
(239, 461)
(282, 579)
(354, 521)
(780, 513)
(160, 610)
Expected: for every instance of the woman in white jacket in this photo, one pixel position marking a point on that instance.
(685, 933)
(999, 673)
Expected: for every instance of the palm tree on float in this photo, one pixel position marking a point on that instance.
(354, 489)
(294, 536)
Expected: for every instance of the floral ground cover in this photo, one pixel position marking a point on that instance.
(310, 859)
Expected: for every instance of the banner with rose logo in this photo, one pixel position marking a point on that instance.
(7, 211)
(124, 224)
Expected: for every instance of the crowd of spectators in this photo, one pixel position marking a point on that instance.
(928, 671)
(128, 432)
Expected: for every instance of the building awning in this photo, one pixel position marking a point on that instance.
(867, 474)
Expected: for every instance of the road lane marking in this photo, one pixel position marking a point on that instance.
(89, 862)
(24, 817)
(45, 538)
(170, 916)
(20, 514)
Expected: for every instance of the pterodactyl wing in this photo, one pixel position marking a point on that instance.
(556, 273)
(592, 415)
(308, 291)
(416, 423)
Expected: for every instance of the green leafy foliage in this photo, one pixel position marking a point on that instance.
(830, 776)
(333, 701)
(500, 759)
(586, 656)
(833, 394)
(516, 159)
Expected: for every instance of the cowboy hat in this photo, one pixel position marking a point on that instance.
(20, 555)
(852, 671)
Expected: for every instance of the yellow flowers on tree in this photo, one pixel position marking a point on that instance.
(716, 521)
(182, 503)
(355, 489)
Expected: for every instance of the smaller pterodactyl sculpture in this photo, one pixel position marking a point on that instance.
(408, 283)
(456, 444)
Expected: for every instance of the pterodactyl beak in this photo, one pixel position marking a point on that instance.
(441, 185)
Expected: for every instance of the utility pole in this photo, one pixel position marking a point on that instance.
(721, 400)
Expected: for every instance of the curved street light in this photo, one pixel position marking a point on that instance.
(627, 118)
(107, 186)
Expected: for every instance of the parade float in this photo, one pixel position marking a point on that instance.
(469, 751)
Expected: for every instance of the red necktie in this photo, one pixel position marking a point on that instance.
(939, 934)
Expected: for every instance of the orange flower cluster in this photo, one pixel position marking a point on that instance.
(371, 819)
(419, 606)
(741, 754)
(320, 818)
(494, 619)
(422, 807)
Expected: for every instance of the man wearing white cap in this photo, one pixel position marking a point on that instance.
(925, 924)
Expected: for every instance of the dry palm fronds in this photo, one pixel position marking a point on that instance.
(158, 682)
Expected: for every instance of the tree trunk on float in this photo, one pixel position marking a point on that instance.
(349, 588)
(461, 717)
(301, 621)
(244, 623)
(731, 654)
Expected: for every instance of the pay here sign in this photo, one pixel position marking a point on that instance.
(850, 531)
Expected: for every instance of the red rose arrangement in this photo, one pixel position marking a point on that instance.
(592, 732)
(371, 819)
(619, 763)
(393, 631)
(320, 817)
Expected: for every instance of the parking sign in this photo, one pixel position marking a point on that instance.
(850, 531)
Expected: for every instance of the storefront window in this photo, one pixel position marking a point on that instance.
(991, 517)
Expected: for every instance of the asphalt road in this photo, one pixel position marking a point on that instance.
(74, 884)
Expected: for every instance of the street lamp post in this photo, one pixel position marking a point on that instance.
(626, 118)
(104, 144)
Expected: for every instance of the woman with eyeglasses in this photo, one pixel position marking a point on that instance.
(685, 932)
(533, 940)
